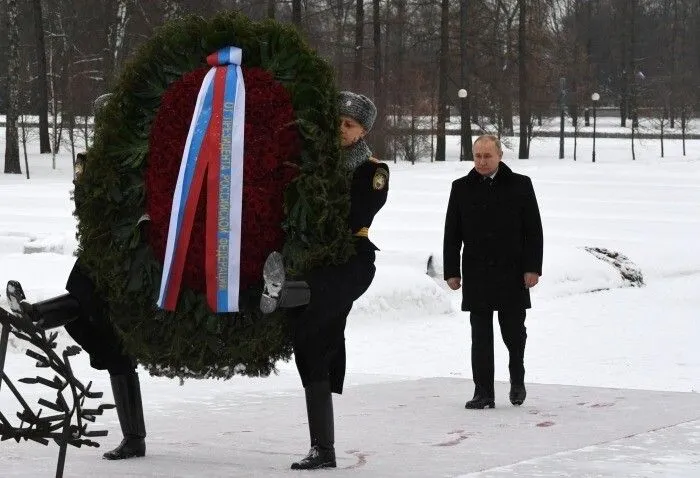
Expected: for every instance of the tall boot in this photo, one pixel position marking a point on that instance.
(48, 314)
(278, 291)
(127, 398)
(319, 409)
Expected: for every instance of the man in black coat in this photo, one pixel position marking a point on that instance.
(493, 220)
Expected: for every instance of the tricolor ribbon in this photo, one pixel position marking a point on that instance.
(214, 150)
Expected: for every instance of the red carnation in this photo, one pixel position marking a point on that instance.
(271, 143)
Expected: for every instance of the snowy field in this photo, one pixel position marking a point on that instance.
(613, 372)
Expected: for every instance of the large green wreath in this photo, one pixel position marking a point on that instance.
(193, 341)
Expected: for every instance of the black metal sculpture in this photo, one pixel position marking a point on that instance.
(69, 425)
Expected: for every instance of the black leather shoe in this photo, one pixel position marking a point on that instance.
(317, 458)
(517, 394)
(279, 292)
(479, 402)
(130, 447)
(15, 296)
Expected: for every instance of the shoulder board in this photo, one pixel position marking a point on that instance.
(378, 163)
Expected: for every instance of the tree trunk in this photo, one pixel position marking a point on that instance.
(504, 80)
(271, 7)
(296, 13)
(523, 100)
(683, 126)
(24, 147)
(12, 164)
(626, 74)
(673, 82)
(108, 65)
(70, 26)
(465, 113)
(359, 44)
(42, 87)
(339, 42)
(401, 96)
(122, 19)
(632, 65)
(379, 133)
(662, 124)
(444, 72)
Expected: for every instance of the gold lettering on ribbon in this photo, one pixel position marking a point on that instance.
(224, 222)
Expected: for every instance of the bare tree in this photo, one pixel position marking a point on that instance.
(359, 44)
(12, 164)
(42, 79)
(465, 114)
(443, 79)
(116, 17)
(523, 86)
(296, 13)
(674, 60)
(379, 136)
(340, 10)
(25, 129)
(503, 47)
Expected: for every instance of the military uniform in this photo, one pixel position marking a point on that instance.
(84, 314)
(92, 329)
(321, 303)
(319, 338)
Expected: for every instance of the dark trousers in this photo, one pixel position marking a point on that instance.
(102, 343)
(319, 327)
(514, 336)
(92, 330)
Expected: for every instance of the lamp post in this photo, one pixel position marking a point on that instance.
(595, 97)
(464, 122)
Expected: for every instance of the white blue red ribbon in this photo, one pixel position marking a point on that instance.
(214, 150)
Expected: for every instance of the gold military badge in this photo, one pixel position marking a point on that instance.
(381, 176)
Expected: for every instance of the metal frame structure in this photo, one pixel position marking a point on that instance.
(69, 425)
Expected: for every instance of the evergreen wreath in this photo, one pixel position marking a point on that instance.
(295, 193)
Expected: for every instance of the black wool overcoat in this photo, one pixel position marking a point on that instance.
(496, 227)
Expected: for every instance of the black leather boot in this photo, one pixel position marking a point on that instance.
(47, 314)
(127, 398)
(278, 291)
(480, 402)
(319, 409)
(517, 393)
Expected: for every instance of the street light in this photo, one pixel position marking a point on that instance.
(595, 97)
(462, 94)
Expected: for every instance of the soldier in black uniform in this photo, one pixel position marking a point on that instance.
(84, 314)
(323, 301)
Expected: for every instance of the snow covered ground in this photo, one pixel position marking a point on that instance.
(613, 371)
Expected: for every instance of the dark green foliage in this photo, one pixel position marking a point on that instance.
(193, 342)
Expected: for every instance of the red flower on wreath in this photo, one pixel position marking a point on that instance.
(271, 145)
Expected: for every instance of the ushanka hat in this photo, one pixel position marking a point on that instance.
(358, 107)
